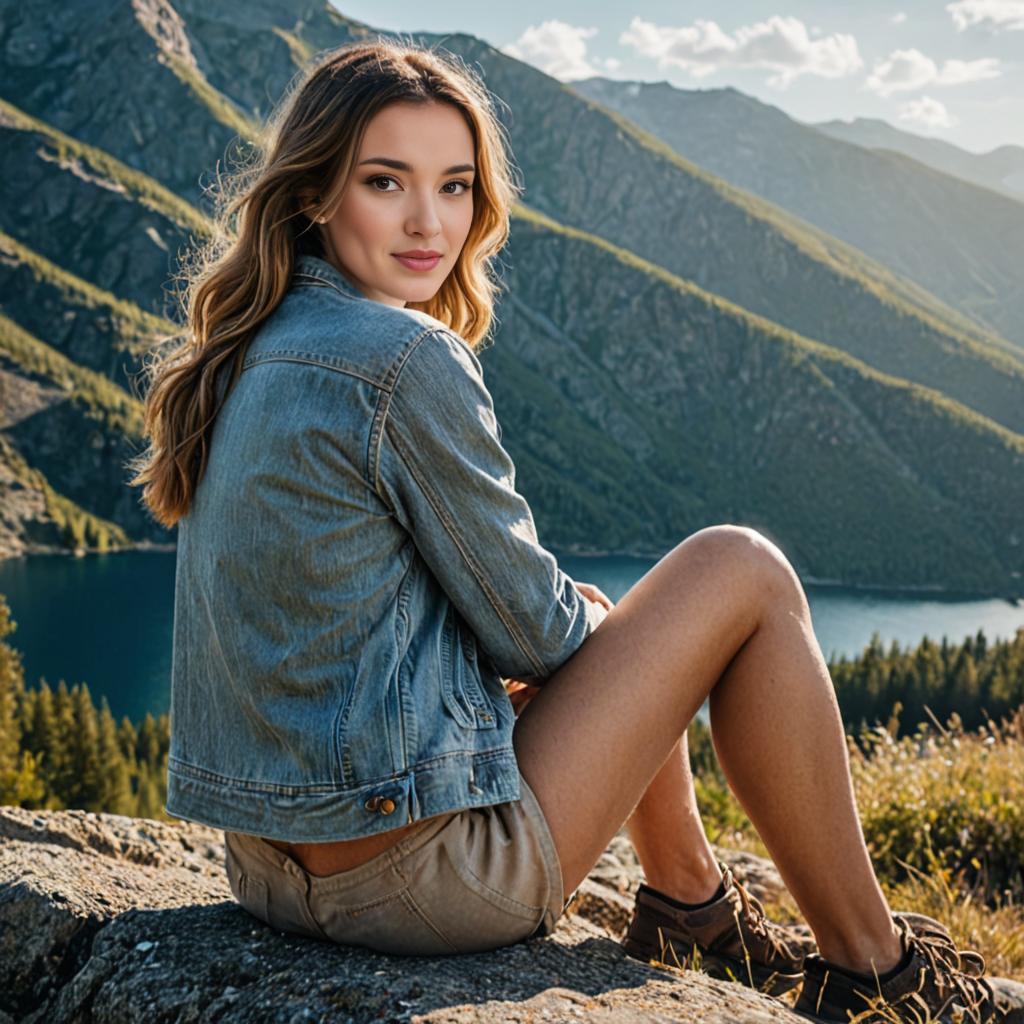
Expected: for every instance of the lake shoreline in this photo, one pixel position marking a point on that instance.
(32, 550)
(880, 589)
(117, 617)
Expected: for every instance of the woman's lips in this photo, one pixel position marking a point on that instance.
(416, 264)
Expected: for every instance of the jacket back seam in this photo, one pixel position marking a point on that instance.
(314, 280)
(309, 359)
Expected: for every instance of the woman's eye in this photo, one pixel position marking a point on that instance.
(387, 177)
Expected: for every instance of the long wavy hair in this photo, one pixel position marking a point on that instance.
(234, 278)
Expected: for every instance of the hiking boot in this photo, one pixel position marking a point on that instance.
(970, 961)
(935, 983)
(729, 938)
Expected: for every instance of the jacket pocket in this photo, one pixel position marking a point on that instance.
(461, 691)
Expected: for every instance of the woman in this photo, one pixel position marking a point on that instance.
(357, 575)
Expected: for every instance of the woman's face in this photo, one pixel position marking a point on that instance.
(387, 209)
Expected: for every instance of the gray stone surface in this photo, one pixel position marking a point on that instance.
(118, 920)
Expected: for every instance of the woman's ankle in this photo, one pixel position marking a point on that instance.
(862, 953)
(692, 883)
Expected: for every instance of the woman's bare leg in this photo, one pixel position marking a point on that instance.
(722, 614)
(669, 836)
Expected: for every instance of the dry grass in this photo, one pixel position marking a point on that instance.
(943, 815)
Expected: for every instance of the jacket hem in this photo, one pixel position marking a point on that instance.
(457, 781)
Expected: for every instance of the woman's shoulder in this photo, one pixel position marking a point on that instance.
(317, 322)
(441, 354)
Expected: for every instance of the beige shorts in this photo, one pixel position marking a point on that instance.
(465, 882)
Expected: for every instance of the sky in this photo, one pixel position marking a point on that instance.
(948, 70)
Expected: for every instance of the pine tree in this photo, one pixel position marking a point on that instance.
(147, 747)
(11, 686)
(64, 785)
(26, 788)
(18, 778)
(85, 753)
(41, 734)
(127, 737)
(981, 646)
(961, 691)
(150, 801)
(115, 796)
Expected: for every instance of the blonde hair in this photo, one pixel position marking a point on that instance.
(234, 279)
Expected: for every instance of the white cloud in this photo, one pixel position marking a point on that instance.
(780, 45)
(904, 70)
(1007, 14)
(927, 113)
(899, 17)
(956, 72)
(559, 49)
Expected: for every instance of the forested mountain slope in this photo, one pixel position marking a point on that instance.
(671, 351)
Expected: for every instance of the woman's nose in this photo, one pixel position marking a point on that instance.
(424, 219)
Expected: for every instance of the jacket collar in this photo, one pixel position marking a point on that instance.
(307, 265)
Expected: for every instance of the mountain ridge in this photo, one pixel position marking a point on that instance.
(1000, 169)
(625, 439)
(959, 241)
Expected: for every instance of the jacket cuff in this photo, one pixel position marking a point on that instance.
(596, 614)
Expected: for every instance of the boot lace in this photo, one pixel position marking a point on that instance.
(759, 925)
(955, 975)
(970, 961)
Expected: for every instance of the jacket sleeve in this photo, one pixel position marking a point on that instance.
(443, 472)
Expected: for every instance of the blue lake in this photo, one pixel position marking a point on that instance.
(106, 619)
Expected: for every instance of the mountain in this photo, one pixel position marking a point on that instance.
(713, 414)
(672, 351)
(724, 240)
(963, 243)
(1000, 169)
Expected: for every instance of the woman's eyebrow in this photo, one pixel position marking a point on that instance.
(400, 165)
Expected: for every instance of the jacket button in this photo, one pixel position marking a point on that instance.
(387, 805)
(371, 804)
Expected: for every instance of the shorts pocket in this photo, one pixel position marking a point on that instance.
(254, 896)
(277, 899)
(389, 922)
(475, 917)
(507, 904)
(278, 903)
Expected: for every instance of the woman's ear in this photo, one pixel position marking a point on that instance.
(308, 203)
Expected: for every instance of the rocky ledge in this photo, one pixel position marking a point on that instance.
(117, 919)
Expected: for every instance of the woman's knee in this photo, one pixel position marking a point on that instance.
(744, 554)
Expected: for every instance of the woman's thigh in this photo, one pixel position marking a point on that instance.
(595, 735)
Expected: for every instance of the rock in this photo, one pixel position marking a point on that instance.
(117, 919)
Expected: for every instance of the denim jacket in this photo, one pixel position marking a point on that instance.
(354, 577)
